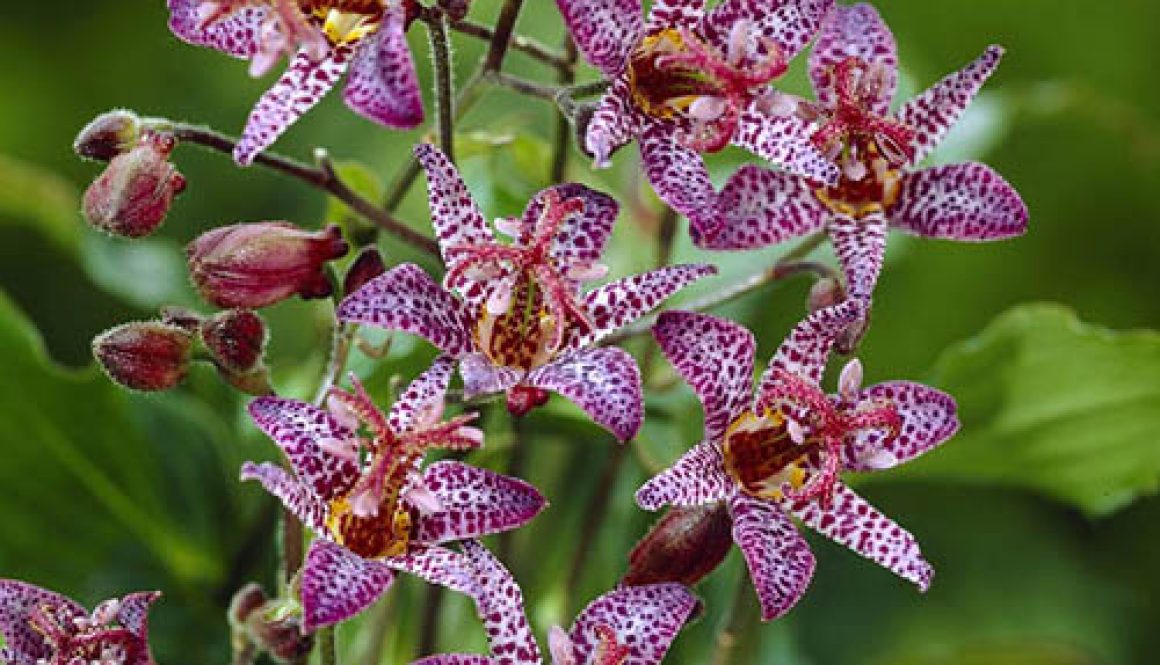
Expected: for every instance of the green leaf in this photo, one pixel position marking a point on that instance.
(36, 196)
(1055, 405)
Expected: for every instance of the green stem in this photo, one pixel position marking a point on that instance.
(525, 45)
(441, 57)
(563, 121)
(326, 651)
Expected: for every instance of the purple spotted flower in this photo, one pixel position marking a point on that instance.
(357, 483)
(323, 39)
(41, 627)
(686, 81)
(631, 625)
(854, 72)
(778, 455)
(521, 323)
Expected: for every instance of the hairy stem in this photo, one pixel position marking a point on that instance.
(441, 57)
(563, 121)
(525, 45)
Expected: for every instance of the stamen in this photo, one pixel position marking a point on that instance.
(708, 109)
(797, 434)
(850, 380)
(500, 300)
(341, 412)
(586, 273)
(365, 504)
(739, 41)
(424, 500)
(106, 612)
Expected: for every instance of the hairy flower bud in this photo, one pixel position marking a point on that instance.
(254, 623)
(367, 266)
(145, 355)
(235, 338)
(259, 264)
(133, 196)
(683, 546)
(108, 135)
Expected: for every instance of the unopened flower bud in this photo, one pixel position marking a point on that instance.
(683, 546)
(367, 266)
(134, 194)
(825, 292)
(259, 264)
(145, 355)
(255, 623)
(108, 135)
(236, 339)
(521, 400)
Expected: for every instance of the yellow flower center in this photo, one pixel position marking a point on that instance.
(762, 457)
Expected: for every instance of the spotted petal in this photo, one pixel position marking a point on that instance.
(783, 140)
(475, 502)
(454, 213)
(715, 357)
(604, 382)
(934, 112)
(383, 85)
(764, 207)
(133, 613)
(605, 31)
(23, 645)
(425, 396)
(481, 377)
(297, 498)
(619, 303)
(697, 478)
(679, 177)
(928, 419)
(297, 428)
(675, 14)
(790, 23)
(779, 560)
(805, 351)
(338, 584)
(501, 608)
(405, 298)
(968, 202)
(455, 659)
(852, 522)
(614, 123)
(582, 237)
(235, 34)
(644, 618)
(860, 245)
(304, 84)
(855, 31)
(436, 565)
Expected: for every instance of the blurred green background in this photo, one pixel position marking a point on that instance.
(1041, 517)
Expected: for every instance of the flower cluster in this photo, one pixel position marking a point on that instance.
(525, 308)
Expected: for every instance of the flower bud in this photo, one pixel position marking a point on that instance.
(522, 399)
(259, 264)
(108, 135)
(145, 355)
(132, 197)
(235, 338)
(367, 266)
(826, 292)
(683, 546)
(455, 9)
(255, 623)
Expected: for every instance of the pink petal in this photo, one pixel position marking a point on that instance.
(854, 31)
(236, 34)
(605, 31)
(784, 140)
(715, 357)
(133, 614)
(679, 177)
(645, 618)
(614, 123)
(455, 659)
(697, 478)
(304, 84)
(968, 202)
(22, 644)
(779, 560)
(764, 207)
(928, 419)
(338, 584)
(293, 494)
(604, 382)
(436, 565)
(405, 298)
(500, 603)
(674, 14)
(297, 427)
(480, 377)
(383, 85)
(852, 522)
(805, 351)
(425, 396)
(860, 245)
(583, 236)
(934, 112)
(619, 303)
(476, 502)
(790, 23)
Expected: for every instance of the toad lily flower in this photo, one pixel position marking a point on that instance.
(687, 81)
(324, 38)
(45, 628)
(854, 72)
(631, 625)
(356, 483)
(780, 454)
(521, 324)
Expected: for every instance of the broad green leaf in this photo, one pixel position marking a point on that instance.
(36, 196)
(1055, 405)
(148, 272)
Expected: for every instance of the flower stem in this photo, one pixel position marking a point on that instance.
(525, 45)
(441, 57)
(739, 615)
(502, 36)
(326, 651)
(321, 177)
(563, 121)
(429, 629)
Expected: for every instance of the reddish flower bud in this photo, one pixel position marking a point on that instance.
(236, 339)
(522, 399)
(256, 623)
(367, 266)
(145, 355)
(259, 264)
(683, 546)
(826, 292)
(132, 197)
(108, 135)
